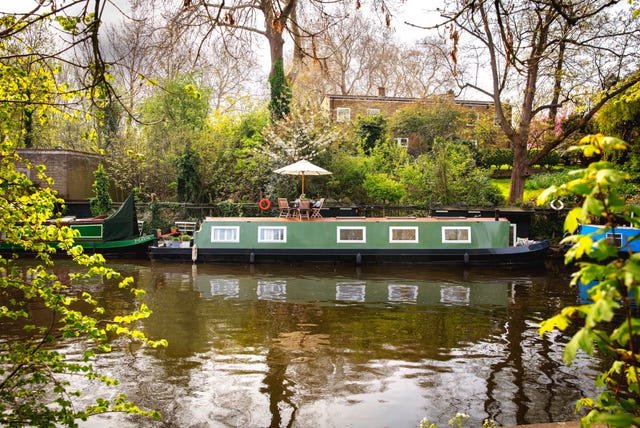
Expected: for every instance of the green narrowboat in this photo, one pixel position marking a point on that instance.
(359, 240)
(114, 236)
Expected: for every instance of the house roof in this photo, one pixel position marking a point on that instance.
(385, 98)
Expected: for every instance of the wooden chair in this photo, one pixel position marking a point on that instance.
(315, 210)
(283, 206)
(304, 209)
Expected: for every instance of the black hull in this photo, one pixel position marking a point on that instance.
(136, 248)
(516, 256)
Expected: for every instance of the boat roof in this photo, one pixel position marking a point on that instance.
(354, 218)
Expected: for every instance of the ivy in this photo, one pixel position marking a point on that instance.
(280, 92)
(101, 203)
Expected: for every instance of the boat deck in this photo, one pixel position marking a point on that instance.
(351, 218)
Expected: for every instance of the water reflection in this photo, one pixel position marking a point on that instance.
(328, 346)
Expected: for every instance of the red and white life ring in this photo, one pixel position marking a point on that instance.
(264, 204)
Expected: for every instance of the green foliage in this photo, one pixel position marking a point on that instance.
(348, 176)
(189, 184)
(551, 159)
(176, 117)
(280, 92)
(620, 117)
(101, 203)
(609, 324)
(441, 119)
(448, 176)
(236, 167)
(381, 187)
(494, 157)
(37, 380)
(28, 90)
(370, 131)
(542, 181)
(229, 209)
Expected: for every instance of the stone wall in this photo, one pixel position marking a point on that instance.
(71, 171)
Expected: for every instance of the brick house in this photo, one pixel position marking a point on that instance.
(345, 108)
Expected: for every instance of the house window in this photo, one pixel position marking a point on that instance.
(352, 234)
(456, 235)
(403, 234)
(614, 239)
(272, 234)
(373, 111)
(343, 114)
(402, 142)
(225, 234)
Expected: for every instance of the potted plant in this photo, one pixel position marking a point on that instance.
(185, 241)
(175, 242)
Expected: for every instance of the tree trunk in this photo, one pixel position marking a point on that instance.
(520, 170)
(274, 28)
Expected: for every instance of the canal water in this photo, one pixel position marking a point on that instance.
(344, 346)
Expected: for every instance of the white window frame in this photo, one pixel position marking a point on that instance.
(373, 111)
(445, 229)
(403, 241)
(611, 239)
(235, 229)
(352, 241)
(343, 114)
(402, 142)
(281, 229)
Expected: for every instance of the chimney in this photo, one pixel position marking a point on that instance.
(381, 91)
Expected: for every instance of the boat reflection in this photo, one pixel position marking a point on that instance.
(332, 291)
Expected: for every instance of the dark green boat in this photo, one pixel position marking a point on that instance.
(115, 236)
(359, 240)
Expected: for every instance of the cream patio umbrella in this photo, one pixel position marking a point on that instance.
(302, 167)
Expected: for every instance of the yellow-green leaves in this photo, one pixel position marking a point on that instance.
(608, 322)
(598, 144)
(64, 311)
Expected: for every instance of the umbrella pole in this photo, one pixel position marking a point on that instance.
(303, 182)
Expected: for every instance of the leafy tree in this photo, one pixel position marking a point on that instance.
(40, 383)
(32, 92)
(370, 131)
(609, 324)
(37, 386)
(236, 168)
(620, 117)
(349, 172)
(543, 50)
(101, 203)
(448, 176)
(177, 117)
(486, 132)
(426, 121)
(302, 134)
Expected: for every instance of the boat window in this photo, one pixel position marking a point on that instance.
(272, 234)
(403, 234)
(457, 235)
(614, 239)
(352, 234)
(225, 234)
